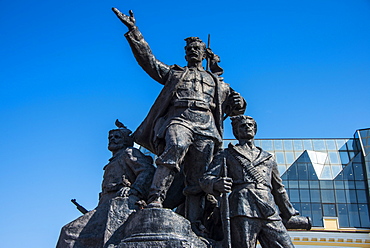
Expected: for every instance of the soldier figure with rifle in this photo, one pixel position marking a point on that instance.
(256, 188)
(185, 124)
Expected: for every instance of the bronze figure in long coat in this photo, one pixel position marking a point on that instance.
(184, 126)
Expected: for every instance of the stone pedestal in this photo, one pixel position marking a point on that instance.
(157, 227)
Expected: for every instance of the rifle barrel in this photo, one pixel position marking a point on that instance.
(79, 207)
(208, 60)
(225, 213)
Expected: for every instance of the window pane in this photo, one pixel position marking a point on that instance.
(330, 144)
(316, 214)
(305, 195)
(350, 184)
(348, 173)
(282, 169)
(288, 146)
(351, 196)
(284, 176)
(314, 184)
(278, 144)
(329, 210)
(326, 184)
(267, 145)
(311, 172)
(336, 169)
(289, 157)
(364, 215)
(361, 196)
(304, 158)
(327, 196)
(303, 184)
(285, 183)
(351, 145)
(334, 158)
(319, 145)
(298, 145)
(280, 157)
(293, 184)
(360, 184)
(364, 133)
(297, 206)
(302, 171)
(326, 172)
(307, 144)
(292, 173)
(341, 144)
(322, 157)
(343, 215)
(294, 195)
(298, 155)
(358, 171)
(338, 184)
(351, 155)
(358, 158)
(344, 157)
(354, 220)
(339, 176)
(340, 196)
(306, 209)
(315, 195)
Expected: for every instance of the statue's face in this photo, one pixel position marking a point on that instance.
(246, 129)
(116, 141)
(195, 52)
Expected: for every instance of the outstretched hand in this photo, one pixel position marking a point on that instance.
(129, 21)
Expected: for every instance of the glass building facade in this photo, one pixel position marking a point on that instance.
(325, 177)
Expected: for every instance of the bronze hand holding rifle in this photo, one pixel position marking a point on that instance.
(223, 185)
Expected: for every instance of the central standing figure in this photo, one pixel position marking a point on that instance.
(185, 124)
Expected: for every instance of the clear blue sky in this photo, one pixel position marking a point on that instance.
(66, 74)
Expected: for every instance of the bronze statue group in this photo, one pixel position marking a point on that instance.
(193, 174)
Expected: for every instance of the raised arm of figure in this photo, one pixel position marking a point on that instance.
(141, 50)
(129, 21)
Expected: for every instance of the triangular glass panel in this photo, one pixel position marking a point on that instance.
(321, 157)
(312, 156)
(311, 172)
(302, 169)
(317, 157)
(326, 173)
(336, 169)
(318, 168)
